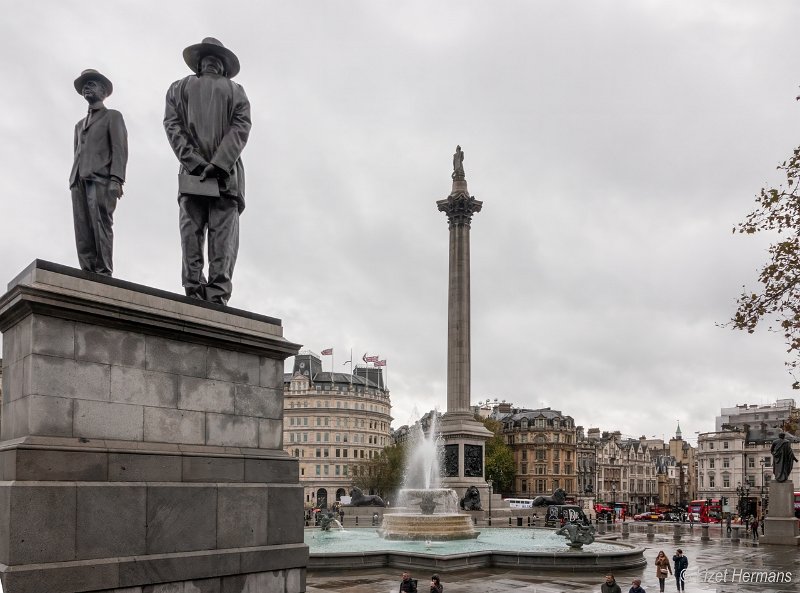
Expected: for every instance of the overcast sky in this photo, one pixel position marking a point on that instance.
(613, 144)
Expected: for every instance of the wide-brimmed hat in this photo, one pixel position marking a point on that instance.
(91, 74)
(210, 46)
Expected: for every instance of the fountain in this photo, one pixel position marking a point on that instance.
(426, 511)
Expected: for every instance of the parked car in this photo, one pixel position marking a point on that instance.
(672, 517)
(648, 517)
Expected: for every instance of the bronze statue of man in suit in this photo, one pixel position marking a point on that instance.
(98, 172)
(207, 120)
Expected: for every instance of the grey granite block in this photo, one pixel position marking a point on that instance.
(109, 346)
(60, 377)
(237, 367)
(213, 469)
(42, 523)
(172, 356)
(5, 514)
(108, 420)
(296, 579)
(271, 373)
(259, 401)
(206, 395)
(142, 467)
(231, 431)
(178, 567)
(270, 434)
(53, 336)
(23, 337)
(274, 558)
(272, 471)
(181, 519)
(241, 516)
(10, 346)
(49, 416)
(285, 514)
(203, 586)
(274, 582)
(90, 575)
(44, 464)
(165, 588)
(13, 386)
(138, 386)
(162, 425)
(110, 520)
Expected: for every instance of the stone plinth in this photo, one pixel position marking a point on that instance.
(780, 525)
(140, 442)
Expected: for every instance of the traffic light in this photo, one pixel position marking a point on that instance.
(724, 501)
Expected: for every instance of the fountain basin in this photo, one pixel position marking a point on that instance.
(521, 549)
(416, 527)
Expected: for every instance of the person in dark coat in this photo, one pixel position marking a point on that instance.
(680, 564)
(610, 586)
(436, 584)
(207, 121)
(407, 584)
(636, 587)
(98, 172)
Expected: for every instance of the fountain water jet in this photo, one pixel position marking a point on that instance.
(438, 516)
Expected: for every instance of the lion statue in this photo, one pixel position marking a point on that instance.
(471, 500)
(359, 499)
(558, 497)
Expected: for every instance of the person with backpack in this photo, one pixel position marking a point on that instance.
(680, 564)
(408, 585)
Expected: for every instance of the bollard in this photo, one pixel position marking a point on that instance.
(676, 532)
(651, 533)
(356, 519)
(735, 534)
(704, 532)
(626, 530)
(519, 521)
(601, 528)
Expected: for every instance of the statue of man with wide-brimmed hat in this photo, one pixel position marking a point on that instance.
(98, 172)
(207, 120)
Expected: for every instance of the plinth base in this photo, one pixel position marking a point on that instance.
(141, 442)
(781, 526)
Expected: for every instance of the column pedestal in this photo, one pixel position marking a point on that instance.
(141, 442)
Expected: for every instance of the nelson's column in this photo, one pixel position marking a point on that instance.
(464, 437)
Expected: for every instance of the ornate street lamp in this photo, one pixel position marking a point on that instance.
(742, 491)
(489, 483)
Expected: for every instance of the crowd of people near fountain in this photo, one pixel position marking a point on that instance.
(409, 585)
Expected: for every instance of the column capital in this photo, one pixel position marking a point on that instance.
(459, 207)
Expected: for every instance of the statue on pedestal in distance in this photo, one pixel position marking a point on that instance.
(782, 458)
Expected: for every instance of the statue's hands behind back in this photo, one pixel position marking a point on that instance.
(115, 188)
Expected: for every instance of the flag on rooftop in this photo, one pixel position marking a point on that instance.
(380, 363)
(371, 358)
(327, 352)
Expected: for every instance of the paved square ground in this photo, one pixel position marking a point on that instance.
(706, 561)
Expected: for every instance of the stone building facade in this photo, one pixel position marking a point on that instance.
(545, 452)
(334, 423)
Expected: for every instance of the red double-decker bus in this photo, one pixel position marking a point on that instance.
(707, 510)
(797, 504)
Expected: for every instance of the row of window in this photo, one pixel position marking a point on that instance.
(325, 437)
(541, 454)
(726, 481)
(342, 406)
(339, 453)
(541, 485)
(538, 439)
(340, 422)
(541, 470)
(726, 462)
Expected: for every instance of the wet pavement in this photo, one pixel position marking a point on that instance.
(717, 565)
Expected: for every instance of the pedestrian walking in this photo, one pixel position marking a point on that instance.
(610, 586)
(754, 528)
(662, 569)
(681, 563)
(636, 587)
(728, 524)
